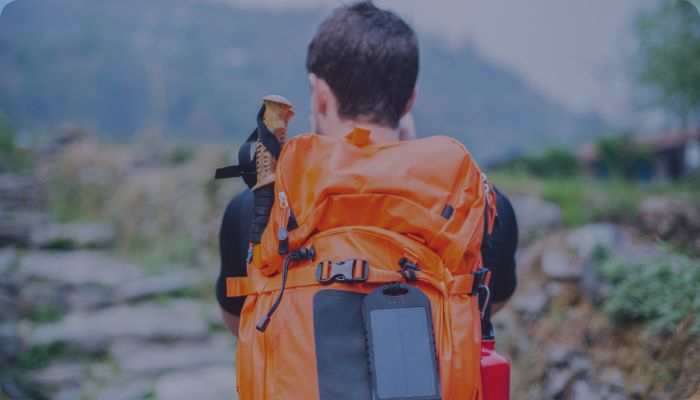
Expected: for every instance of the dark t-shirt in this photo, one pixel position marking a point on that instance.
(498, 251)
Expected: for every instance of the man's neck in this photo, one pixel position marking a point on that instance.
(380, 133)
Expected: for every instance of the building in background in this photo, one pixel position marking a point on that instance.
(669, 156)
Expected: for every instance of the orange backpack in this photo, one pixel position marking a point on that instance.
(352, 215)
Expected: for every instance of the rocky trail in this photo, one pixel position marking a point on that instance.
(554, 332)
(79, 322)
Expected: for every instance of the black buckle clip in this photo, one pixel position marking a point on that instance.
(343, 271)
(408, 270)
(479, 280)
(479, 287)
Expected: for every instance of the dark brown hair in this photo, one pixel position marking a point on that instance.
(369, 58)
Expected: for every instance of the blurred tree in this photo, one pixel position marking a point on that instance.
(554, 163)
(669, 39)
(7, 143)
(12, 158)
(622, 156)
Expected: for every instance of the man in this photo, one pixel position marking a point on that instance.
(363, 66)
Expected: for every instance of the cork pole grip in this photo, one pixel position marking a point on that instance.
(278, 112)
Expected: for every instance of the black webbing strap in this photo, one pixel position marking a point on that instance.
(267, 138)
(232, 171)
(247, 153)
(246, 163)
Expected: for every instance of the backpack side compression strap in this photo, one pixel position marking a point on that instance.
(306, 276)
(247, 153)
(246, 163)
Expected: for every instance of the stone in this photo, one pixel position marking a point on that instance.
(9, 285)
(89, 297)
(168, 282)
(639, 388)
(177, 319)
(557, 264)
(138, 359)
(43, 296)
(595, 289)
(665, 215)
(77, 268)
(16, 226)
(535, 215)
(608, 395)
(613, 378)
(73, 235)
(532, 304)
(558, 381)
(587, 239)
(17, 387)
(8, 260)
(17, 191)
(71, 392)
(559, 356)
(13, 230)
(61, 138)
(130, 390)
(554, 289)
(60, 374)
(212, 382)
(584, 390)
(11, 345)
(580, 364)
(9, 308)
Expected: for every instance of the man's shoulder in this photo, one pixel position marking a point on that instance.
(240, 203)
(506, 216)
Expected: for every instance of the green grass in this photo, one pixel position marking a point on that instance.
(69, 201)
(45, 314)
(660, 292)
(36, 357)
(156, 252)
(584, 199)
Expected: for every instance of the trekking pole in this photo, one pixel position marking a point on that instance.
(272, 133)
(278, 112)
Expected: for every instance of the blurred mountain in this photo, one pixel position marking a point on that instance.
(199, 68)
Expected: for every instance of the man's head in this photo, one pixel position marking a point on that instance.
(363, 65)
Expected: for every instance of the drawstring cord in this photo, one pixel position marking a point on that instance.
(299, 255)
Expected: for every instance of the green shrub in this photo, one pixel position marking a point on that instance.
(659, 292)
(179, 154)
(554, 163)
(39, 356)
(12, 158)
(584, 199)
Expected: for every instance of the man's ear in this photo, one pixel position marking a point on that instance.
(320, 94)
(411, 101)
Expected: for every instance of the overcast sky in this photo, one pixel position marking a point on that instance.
(575, 52)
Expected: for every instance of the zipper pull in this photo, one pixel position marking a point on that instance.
(282, 237)
(282, 241)
(249, 254)
(487, 188)
(284, 203)
(491, 212)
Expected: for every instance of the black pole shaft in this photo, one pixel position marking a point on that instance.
(264, 198)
